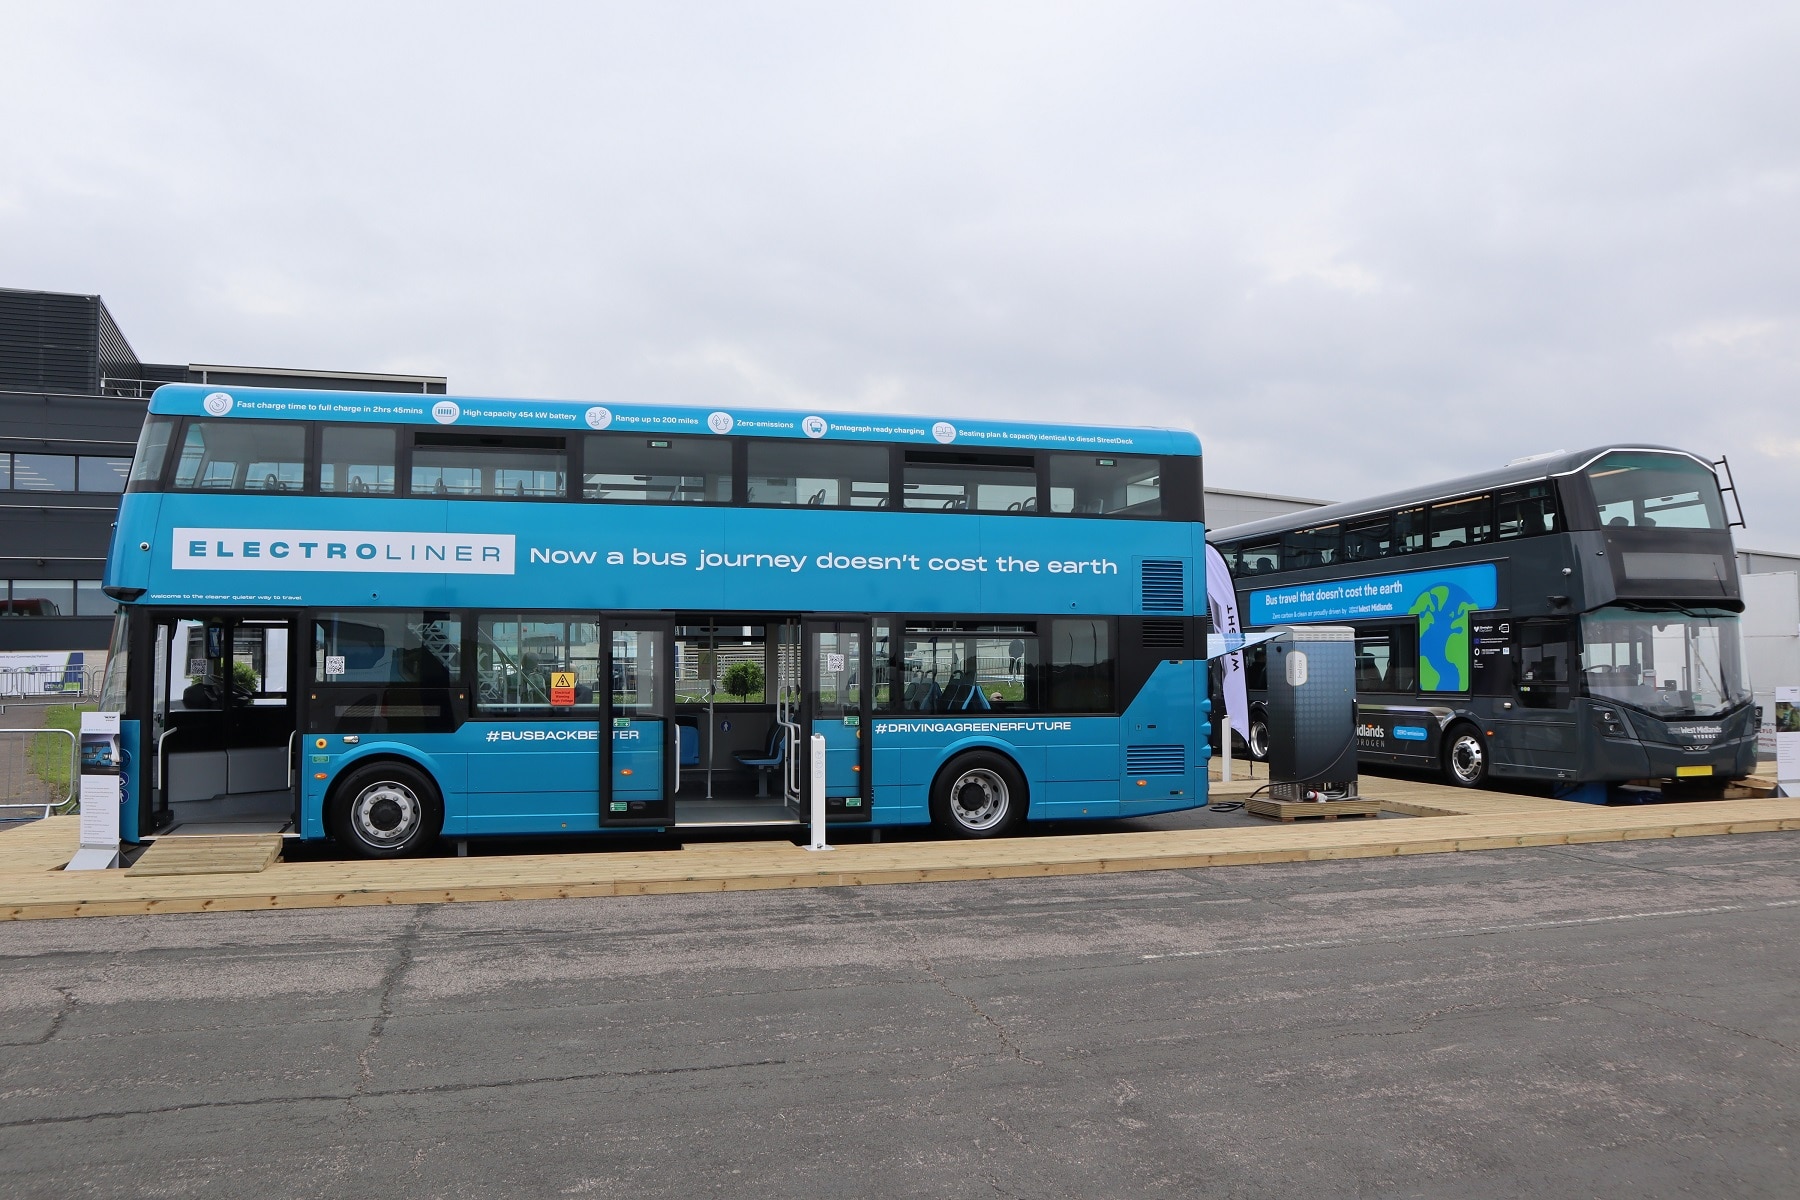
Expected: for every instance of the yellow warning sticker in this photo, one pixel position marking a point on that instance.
(562, 688)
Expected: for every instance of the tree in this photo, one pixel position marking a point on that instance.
(743, 678)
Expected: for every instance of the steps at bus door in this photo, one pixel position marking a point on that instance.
(227, 854)
(1311, 810)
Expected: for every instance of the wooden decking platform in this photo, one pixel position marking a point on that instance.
(33, 885)
(1317, 810)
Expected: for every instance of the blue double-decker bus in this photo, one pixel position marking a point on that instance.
(380, 619)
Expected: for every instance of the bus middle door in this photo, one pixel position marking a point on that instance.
(640, 774)
(836, 670)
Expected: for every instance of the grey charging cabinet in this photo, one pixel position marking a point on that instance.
(1312, 713)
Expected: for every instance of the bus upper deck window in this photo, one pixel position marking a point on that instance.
(1409, 531)
(1652, 489)
(152, 452)
(960, 481)
(1466, 522)
(488, 466)
(1370, 537)
(631, 468)
(818, 474)
(1262, 559)
(1113, 485)
(242, 456)
(1525, 511)
(356, 460)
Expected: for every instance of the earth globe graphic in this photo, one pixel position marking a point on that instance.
(1443, 613)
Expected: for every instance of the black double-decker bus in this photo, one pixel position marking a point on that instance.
(1570, 618)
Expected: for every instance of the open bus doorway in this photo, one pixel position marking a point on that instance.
(737, 714)
(223, 723)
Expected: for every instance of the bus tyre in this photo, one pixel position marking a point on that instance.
(978, 795)
(385, 810)
(1258, 741)
(1465, 756)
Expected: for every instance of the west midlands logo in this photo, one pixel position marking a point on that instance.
(599, 418)
(814, 427)
(218, 404)
(445, 412)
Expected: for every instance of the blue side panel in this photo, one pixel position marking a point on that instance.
(328, 551)
(1162, 766)
(843, 756)
(130, 772)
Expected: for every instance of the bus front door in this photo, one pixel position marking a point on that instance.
(837, 671)
(640, 771)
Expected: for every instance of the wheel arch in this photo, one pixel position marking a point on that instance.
(962, 746)
(364, 756)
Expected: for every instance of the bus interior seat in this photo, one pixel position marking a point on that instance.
(922, 695)
(690, 744)
(817, 499)
(765, 765)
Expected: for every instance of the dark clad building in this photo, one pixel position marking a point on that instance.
(72, 396)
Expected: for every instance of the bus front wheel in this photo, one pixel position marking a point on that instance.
(385, 810)
(1465, 757)
(979, 795)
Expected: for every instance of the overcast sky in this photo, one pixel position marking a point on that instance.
(1354, 246)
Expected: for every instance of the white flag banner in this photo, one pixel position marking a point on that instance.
(1221, 601)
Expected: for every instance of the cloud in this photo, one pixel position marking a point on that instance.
(1356, 246)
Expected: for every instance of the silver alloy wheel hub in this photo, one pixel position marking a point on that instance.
(979, 799)
(1465, 757)
(386, 813)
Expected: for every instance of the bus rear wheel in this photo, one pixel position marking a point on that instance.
(979, 795)
(1465, 757)
(386, 810)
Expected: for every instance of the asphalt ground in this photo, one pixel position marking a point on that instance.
(1618, 1020)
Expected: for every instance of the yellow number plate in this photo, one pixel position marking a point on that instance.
(1682, 771)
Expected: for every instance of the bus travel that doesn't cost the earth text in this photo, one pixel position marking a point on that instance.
(377, 618)
(1570, 618)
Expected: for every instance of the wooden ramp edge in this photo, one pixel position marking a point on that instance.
(226, 854)
(42, 893)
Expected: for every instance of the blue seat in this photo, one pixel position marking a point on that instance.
(690, 745)
(765, 764)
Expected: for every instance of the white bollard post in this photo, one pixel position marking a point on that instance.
(818, 793)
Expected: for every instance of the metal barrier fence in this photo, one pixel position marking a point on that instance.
(34, 685)
(38, 773)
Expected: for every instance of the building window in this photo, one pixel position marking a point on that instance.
(97, 474)
(356, 460)
(90, 601)
(43, 472)
(818, 475)
(41, 598)
(629, 468)
(1106, 485)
